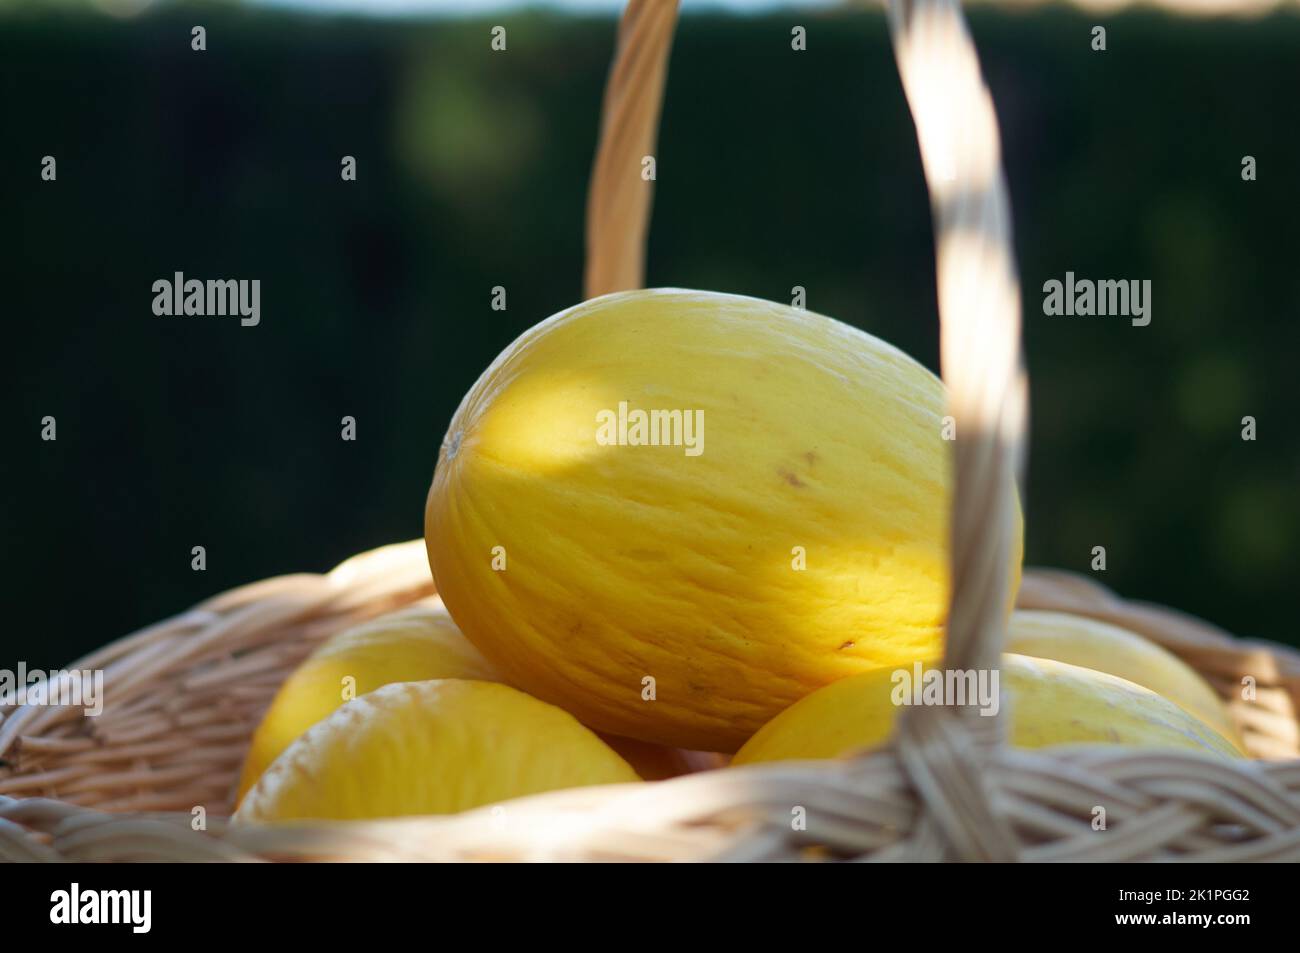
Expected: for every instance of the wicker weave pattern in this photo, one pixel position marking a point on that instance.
(69, 776)
(183, 696)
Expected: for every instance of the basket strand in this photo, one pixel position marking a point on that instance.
(618, 203)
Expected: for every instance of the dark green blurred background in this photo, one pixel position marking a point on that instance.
(775, 169)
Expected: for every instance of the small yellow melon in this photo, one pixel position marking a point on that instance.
(434, 747)
(1099, 645)
(414, 644)
(1051, 703)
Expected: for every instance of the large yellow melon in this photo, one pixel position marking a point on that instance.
(787, 528)
(1051, 703)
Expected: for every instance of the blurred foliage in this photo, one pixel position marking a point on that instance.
(775, 169)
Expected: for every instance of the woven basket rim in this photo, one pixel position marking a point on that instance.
(730, 814)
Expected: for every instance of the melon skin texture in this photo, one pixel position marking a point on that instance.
(1048, 703)
(1108, 648)
(432, 747)
(418, 643)
(415, 644)
(653, 591)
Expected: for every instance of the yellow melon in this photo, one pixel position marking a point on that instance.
(414, 644)
(1099, 645)
(1051, 703)
(435, 747)
(675, 513)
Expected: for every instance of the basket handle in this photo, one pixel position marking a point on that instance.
(979, 313)
(618, 200)
(979, 290)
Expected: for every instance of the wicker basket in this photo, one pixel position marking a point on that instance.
(152, 778)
